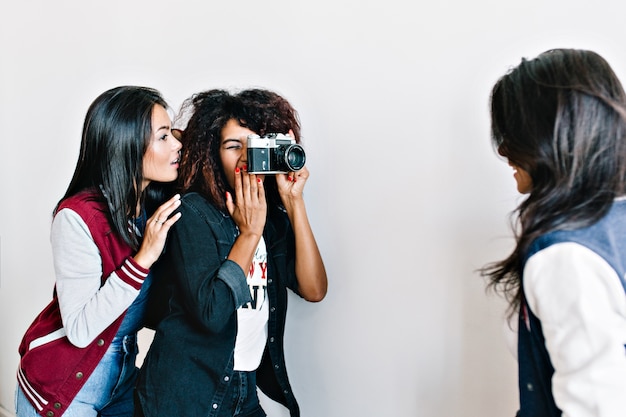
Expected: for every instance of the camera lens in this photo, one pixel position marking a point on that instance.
(295, 157)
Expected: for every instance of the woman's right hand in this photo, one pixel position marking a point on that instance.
(156, 231)
(249, 208)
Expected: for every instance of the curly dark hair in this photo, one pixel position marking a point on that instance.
(259, 110)
(562, 118)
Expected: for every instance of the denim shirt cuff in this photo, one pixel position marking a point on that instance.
(231, 273)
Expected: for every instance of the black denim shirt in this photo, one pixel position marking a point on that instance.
(190, 362)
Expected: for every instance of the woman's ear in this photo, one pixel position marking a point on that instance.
(177, 133)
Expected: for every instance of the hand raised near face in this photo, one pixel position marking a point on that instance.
(291, 185)
(249, 207)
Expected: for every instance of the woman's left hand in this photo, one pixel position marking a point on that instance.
(156, 231)
(310, 271)
(291, 185)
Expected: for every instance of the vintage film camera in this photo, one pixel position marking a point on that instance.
(274, 153)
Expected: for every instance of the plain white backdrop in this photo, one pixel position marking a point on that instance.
(406, 195)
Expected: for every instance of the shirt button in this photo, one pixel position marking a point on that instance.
(50, 413)
(530, 387)
(285, 392)
(277, 366)
(57, 405)
(272, 309)
(269, 281)
(79, 375)
(100, 342)
(215, 406)
(272, 339)
(226, 378)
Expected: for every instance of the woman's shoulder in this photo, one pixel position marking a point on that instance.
(196, 203)
(194, 198)
(197, 200)
(88, 204)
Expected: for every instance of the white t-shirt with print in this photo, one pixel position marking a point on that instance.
(252, 318)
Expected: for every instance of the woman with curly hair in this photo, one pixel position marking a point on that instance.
(559, 120)
(244, 238)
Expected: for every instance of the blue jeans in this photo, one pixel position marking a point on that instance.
(109, 390)
(241, 399)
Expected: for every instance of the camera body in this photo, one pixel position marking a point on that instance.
(274, 153)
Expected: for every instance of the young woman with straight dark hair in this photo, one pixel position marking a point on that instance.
(560, 121)
(78, 356)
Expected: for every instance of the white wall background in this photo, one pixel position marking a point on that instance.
(406, 195)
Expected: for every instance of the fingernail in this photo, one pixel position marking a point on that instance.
(237, 170)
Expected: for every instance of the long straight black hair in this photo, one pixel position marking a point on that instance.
(116, 134)
(561, 118)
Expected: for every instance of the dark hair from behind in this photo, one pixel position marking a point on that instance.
(259, 110)
(116, 134)
(560, 117)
